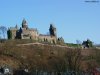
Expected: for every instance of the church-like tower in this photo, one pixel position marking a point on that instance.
(52, 30)
(24, 24)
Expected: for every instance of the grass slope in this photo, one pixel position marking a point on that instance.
(45, 57)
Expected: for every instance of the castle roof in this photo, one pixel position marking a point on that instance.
(32, 29)
(24, 24)
(13, 28)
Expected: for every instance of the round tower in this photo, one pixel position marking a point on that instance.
(52, 30)
(24, 24)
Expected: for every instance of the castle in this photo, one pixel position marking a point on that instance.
(25, 32)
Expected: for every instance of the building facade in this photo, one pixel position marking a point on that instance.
(25, 32)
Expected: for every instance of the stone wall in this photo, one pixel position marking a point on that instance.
(47, 38)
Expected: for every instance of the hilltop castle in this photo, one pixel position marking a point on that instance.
(25, 32)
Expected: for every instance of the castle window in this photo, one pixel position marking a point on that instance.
(44, 39)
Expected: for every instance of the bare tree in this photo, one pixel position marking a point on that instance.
(3, 31)
(73, 58)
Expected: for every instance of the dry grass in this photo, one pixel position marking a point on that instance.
(38, 56)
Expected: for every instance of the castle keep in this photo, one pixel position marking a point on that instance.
(25, 32)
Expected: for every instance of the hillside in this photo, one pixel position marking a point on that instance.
(23, 54)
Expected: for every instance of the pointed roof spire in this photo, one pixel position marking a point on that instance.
(24, 23)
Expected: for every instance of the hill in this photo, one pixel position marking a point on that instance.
(21, 54)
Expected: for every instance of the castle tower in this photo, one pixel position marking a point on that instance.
(24, 24)
(52, 30)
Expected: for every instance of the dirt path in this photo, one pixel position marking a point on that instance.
(43, 44)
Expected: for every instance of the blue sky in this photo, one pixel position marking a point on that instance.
(74, 19)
